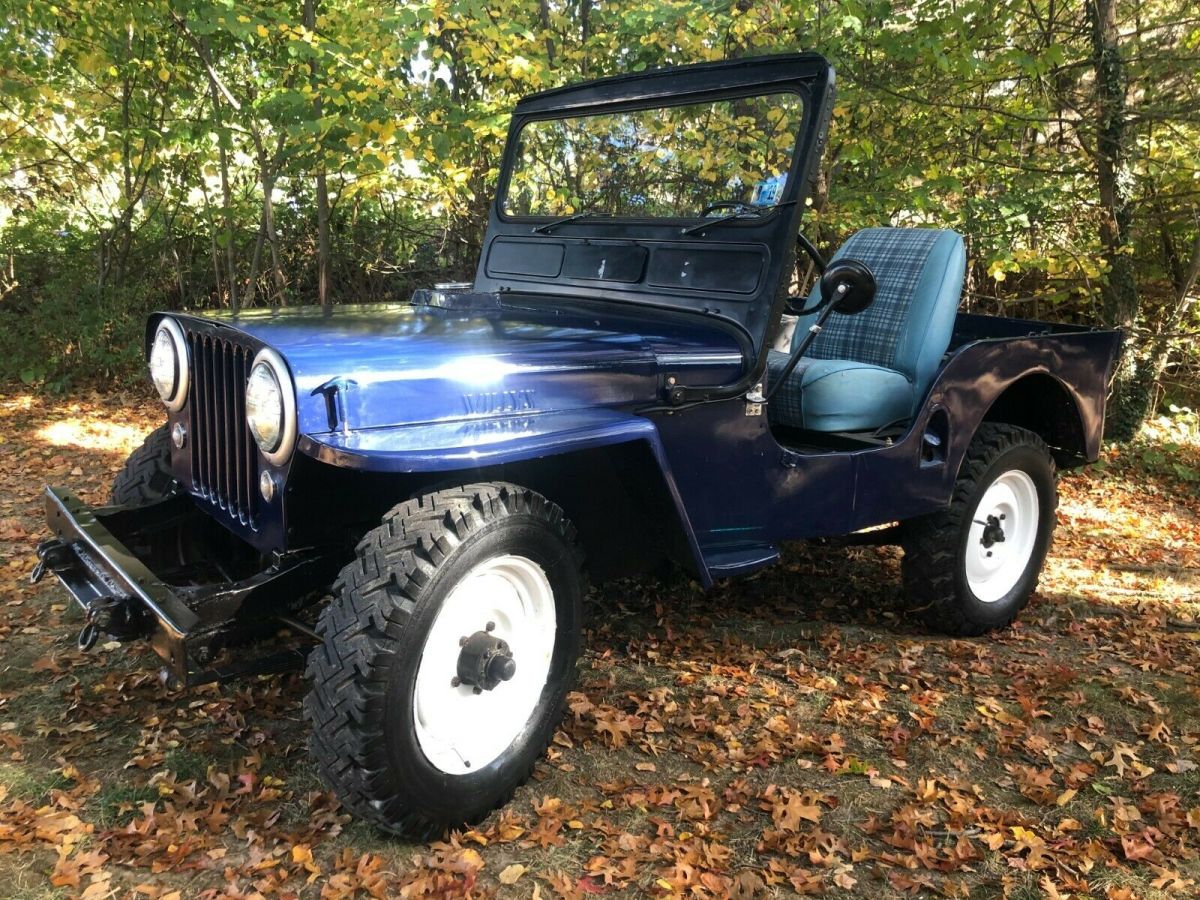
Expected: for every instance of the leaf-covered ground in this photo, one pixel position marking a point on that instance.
(793, 732)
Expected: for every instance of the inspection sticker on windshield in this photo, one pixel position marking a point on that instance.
(768, 191)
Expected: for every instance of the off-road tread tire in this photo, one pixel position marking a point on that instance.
(373, 599)
(146, 477)
(931, 542)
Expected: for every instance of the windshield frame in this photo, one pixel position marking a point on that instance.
(519, 122)
(771, 238)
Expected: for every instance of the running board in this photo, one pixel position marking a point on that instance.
(729, 561)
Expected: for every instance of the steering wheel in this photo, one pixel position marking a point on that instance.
(724, 204)
(794, 306)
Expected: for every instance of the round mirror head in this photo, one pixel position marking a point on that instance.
(849, 285)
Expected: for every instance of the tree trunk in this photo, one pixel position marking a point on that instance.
(544, 15)
(266, 231)
(212, 238)
(1185, 296)
(273, 244)
(123, 229)
(255, 261)
(226, 191)
(268, 174)
(179, 278)
(1134, 388)
(323, 248)
(585, 32)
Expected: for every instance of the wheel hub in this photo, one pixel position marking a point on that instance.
(993, 531)
(484, 661)
(464, 719)
(1003, 535)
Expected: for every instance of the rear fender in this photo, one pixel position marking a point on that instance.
(1054, 384)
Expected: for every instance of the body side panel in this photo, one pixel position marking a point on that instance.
(742, 488)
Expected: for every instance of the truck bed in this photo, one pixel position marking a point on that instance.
(970, 327)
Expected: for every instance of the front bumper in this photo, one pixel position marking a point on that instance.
(189, 618)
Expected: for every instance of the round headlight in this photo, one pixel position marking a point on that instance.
(168, 364)
(264, 407)
(271, 407)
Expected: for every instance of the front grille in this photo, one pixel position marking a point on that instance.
(224, 455)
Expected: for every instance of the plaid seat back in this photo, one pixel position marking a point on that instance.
(897, 258)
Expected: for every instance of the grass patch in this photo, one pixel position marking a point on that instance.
(187, 764)
(23, 881)
(33, 787)
(116, 804)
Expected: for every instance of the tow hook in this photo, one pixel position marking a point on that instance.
(121, 618)
(48, 553)
(104, 614)
(89, 633)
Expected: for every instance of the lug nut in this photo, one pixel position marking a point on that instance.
(455, 681)
(490, 626)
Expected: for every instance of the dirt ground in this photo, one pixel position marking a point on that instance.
(793, 732)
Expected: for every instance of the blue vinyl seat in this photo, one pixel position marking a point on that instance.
(869, 370)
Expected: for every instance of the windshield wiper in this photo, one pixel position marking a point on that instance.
(746, 212)
(547, 227)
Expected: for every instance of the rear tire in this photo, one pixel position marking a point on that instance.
(395, 733)
(971, 567)
(146, 477)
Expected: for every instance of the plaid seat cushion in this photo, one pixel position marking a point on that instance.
(837, 394)
(878, 364)
(897, 258)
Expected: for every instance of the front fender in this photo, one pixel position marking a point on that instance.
(471, 443)
(480, 443)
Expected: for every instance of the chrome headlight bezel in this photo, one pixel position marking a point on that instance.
(280, 451)
(177, 396)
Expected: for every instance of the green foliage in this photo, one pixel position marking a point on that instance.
(1167, 435)
(165, 152)
(58, 320)
(72, 328)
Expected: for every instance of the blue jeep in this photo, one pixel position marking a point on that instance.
(613, 391)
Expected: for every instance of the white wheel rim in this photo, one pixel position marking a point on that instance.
(994, 567)
(458, 730)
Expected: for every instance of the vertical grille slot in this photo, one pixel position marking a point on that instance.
(223, 452)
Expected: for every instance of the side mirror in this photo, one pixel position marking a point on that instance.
(849, 285)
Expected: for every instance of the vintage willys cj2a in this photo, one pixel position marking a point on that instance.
(604, 397)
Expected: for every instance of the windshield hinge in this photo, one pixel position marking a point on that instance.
(674, 392)
(755, 400)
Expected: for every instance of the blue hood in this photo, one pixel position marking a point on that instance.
(371, 366)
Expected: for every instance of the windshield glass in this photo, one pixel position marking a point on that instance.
(668, 162)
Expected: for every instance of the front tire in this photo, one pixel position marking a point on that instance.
(146, 476)
(971, 567)
(397, 734)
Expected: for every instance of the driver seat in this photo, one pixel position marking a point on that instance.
(869, 370)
